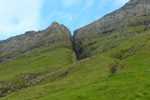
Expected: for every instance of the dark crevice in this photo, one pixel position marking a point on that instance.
(74, 48)
(114, 69)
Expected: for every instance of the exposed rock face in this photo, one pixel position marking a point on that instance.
(52, 35)
(13, 47)
(135, 12)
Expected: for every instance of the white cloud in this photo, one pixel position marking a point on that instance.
(18, 16)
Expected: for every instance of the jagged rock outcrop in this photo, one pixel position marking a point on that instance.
(53, 35)
(107, 33)
(134, 13)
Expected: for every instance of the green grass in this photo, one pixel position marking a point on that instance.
(120, 86)
(84, 72)
(90, 78)
(35, 63)
(97, 45)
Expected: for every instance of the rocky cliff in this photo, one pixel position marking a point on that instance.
(42, 65)
(33, 54)
(53, 35)
(134, 13)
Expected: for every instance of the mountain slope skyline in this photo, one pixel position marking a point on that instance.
(107, 59)
(39, 14)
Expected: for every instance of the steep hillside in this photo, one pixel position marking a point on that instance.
(53, 35)
(103, 76)
(113, 29)
(113, 60)
(25, 60)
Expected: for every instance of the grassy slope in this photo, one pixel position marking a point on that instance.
(130, 83)
(100, 44)
(90, 78)
(81, 74)
(35, 62)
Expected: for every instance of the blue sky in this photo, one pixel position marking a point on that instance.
(19, 16)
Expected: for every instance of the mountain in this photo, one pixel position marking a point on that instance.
(27, 59)
(55, 34)
(105, 60)
(133, 16)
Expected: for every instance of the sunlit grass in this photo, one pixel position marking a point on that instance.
(90, 78)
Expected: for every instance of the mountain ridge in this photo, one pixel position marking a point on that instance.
(107, 59)
(33, 39)
(134, 13)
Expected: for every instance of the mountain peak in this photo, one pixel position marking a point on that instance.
(133, 14)
(54, 24)
(32, 39)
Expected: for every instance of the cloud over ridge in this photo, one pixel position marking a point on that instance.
(18, 16)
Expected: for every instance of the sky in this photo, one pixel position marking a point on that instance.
(19, 16)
